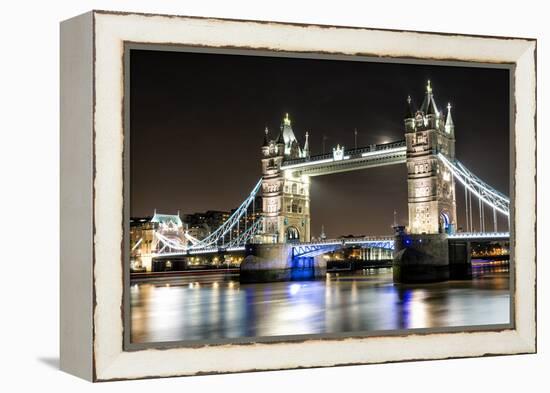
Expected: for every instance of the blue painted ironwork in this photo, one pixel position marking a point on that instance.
(322, 247)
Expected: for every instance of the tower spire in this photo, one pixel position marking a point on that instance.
(449, 124)
(306, 146)
(280, 138)
(286, 120)
(266, 137)
(409, 111)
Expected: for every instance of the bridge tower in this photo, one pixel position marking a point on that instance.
(285, 197)
(431, 186)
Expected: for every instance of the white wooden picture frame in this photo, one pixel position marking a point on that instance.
(93, 192)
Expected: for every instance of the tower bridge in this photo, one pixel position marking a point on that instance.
(422, 250)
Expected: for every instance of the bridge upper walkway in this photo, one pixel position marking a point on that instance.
(348, 160)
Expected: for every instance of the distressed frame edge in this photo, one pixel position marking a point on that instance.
(527, 339)
(525, 179)
(76, 207)
(303, 24)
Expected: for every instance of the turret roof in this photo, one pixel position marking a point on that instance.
(167, 218)
(449, 123)
(288, 135)
(306, 144)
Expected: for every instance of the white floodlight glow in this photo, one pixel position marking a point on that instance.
(461, 176)
(309, 163)
(400, 149)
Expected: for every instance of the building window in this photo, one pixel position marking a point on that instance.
(294, 188)
(421, 168)
(420, 138)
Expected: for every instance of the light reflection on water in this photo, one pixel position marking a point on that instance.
(201, 308)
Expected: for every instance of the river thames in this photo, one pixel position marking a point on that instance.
(218, 307)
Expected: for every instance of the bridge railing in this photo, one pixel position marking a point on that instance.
(348, 240)
(486, 235)
(350, 152)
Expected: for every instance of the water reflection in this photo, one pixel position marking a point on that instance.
(219, 307)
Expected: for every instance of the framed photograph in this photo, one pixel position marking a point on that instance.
(246, 195)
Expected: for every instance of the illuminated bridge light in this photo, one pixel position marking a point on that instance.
(480, 235)
(476, 186)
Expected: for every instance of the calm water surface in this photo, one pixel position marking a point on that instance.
(199, 308)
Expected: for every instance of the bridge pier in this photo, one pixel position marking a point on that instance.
(169, 264)
(431, 258)
(275, 262)
(420, 258)
(460, 259)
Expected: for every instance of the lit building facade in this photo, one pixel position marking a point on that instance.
(431, 186)
(143, 242)
(285, 197)
(142, 236)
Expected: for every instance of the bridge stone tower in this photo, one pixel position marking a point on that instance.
(431, 186)
(285, 197)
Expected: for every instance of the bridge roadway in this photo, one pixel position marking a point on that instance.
(360, 158)
(315, 248)
(312, 249)
(299, 249)
(384, 242)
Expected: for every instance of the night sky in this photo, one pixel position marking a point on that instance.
(197, 124)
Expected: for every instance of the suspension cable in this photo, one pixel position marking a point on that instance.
(471, 212)
(476, 186)
(480, 209)
(466, 210)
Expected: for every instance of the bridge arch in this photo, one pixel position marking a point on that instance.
(292, 234)
(445, 222)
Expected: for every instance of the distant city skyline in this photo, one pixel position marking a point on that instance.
(198, 120)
